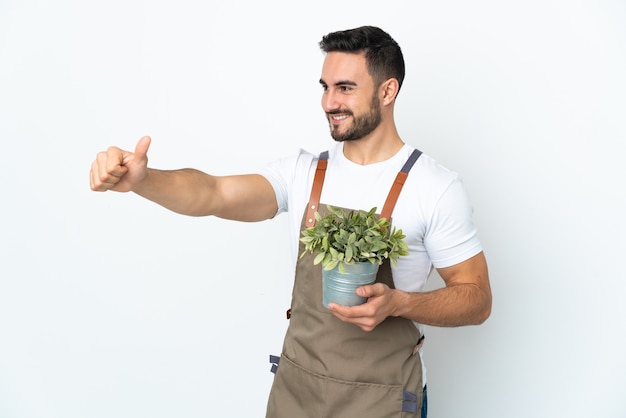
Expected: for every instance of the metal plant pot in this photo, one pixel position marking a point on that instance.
(341, 288)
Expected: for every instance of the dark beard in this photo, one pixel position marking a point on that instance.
(362, 125)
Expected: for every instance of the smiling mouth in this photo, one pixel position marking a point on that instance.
(338, 117)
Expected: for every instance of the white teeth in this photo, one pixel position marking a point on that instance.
(339, 117)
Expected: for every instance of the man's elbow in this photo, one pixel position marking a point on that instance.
(484, 312)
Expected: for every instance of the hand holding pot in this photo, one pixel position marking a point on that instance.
(380, 304)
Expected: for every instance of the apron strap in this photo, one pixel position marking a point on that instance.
(316, 191)
(392, 197)
(390, 203)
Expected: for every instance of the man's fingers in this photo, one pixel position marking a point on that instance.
(99, 183)
(106, 170)
(345, 311)
(368, 291)
(111, 163)
(102, 182)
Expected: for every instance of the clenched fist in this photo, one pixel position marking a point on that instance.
(119, 170)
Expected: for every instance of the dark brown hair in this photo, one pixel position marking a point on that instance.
(382, 53)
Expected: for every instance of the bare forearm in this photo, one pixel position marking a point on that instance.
(185, 191)
(248, 197)
(452, 306)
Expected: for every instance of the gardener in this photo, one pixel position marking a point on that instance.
(379, 371)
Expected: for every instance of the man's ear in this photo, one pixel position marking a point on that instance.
(389, 90)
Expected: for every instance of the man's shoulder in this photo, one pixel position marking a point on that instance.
(426, 165)
(291, 168)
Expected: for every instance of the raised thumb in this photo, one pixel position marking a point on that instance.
(141, 149)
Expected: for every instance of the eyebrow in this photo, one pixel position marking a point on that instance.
(340, 83)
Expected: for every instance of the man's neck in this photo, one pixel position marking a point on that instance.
(373, 148)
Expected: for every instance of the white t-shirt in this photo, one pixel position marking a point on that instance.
(433, 209)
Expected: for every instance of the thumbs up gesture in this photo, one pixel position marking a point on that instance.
(119, 170)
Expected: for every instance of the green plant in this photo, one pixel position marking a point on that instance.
(339, 238)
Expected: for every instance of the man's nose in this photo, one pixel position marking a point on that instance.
(329, 101)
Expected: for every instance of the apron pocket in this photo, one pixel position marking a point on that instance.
(298, 392)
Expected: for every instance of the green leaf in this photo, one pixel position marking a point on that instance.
(349, 253)
(332, 264)
(341, 237)
(318, 259)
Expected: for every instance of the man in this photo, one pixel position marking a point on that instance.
(359, 361)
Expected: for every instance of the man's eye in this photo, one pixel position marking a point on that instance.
(345, 88)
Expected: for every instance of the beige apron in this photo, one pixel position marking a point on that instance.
(331, 369)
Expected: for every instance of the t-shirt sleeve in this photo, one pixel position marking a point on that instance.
(283, 173)
(275, 173)
(451, 236)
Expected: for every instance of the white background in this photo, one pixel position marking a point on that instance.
(111, 306)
